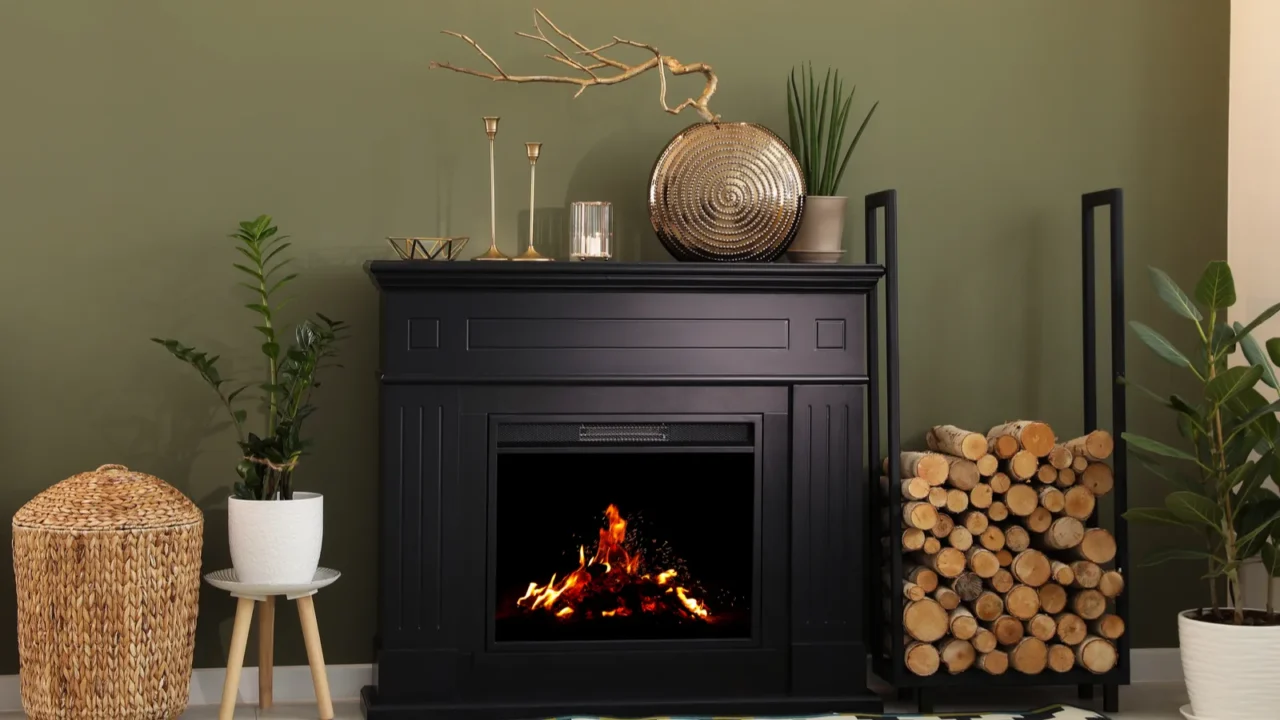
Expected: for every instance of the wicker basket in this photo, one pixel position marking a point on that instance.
(107, 568)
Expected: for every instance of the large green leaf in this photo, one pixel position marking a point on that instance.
(1251, 481)
(1216, 289)
(1271, 559)
(1173, 295)
(1157, 515)
(1182, 481)
(1254, 354)
(1196, 509)
(1232, 381)
(1223, 342)
(1264, 316)
(1161, 556)
(1246, 403)
(1160, 344)
(1122, 380)
(1156, 447)
(1273, 350)
(1256, 529)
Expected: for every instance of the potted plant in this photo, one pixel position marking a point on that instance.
(1230, 653)
(817, 118)
(274, 531)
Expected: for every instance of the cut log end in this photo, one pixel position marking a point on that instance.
(962, 624)
(1053, 598)
(1000, 483)
(1111, 584)
(981, 496)
(1030, 656)
(1060, 457)
(957, 441)
(1008, 630)
(1071, 628)
(1097, 445)
(930, 466)
(1051, 499)
(1088, 574)
(983, 562)
(1099, 478)
(922, 659)
(1002, 581)
(924, 577)
(1097, 655)
(1034, 437)
(1022, 602)
(1108, 626)
(1023, 465)
(925, 620)
(984, 641)
(1047, 474)
(1098, 545)
(958, 655)
(920, 515)
(1066, 478)
(987, 464)
(1039, 520)
(947, 598)
(1021, 500)
(998, 511)
(1063, 534)
(1016, 538)
(1061, 658)
(992, 539)
(1031, 567)
(1089, 604)
(988, 607)
(1042, 626)
(1079, 502)
(1002, 446)
(996, 662)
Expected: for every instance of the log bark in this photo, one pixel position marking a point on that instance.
(1042, 626)
(1099, 478)
(988, 606)
(1061, 658)
(984, 641)
(922, 576)
(1002, 581)
(1034, 437)
(1079, 502)
(1063, 534)
(1108, 626)
(1022, 602)
(957, 501)
(912, 488)
(912, 591)
(948, 562)
(967, 585)
(1066, 478)
(1031, 567)
(912, 539)
(938, 497)
(922, 659)
(943, 527)
(975, 521)
(1089, 604)
(1097, 655)
(1004, 557)
(982, 562)
(1021, 500)
(1003, 447)
(992, 539)
(1060, 457)
(998, 511)
(1071, 628)
(962, 623)
(919, 515)
(1095, 447)
(1053, 598)
(981, 496)
(1038, 521)
(947, 598)
(1047, 474)
(988, 465)
(1008, 630)
(994, 662)
(960, 539)
(931, 546)
(1052, 499)
(1098, 545)
(930, 466)
(1030, 656)
(924, 620)
(1016, 538)
(1023, 465)
(1088, 574)
(1062, 573)
(958, 655)
(956, 441)
(1111, 584)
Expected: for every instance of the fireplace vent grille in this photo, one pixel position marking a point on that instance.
(604, 433)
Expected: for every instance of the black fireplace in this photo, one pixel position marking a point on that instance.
(622, 490)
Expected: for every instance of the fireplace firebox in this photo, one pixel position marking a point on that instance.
(626, 490)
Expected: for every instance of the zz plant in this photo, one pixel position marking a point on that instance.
(269, 460)
(1229, 432)
(817, 117)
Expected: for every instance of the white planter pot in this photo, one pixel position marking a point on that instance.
(820, 238)
(276, 541)
(1231, 671)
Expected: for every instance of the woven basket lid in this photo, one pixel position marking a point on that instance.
(113, 497)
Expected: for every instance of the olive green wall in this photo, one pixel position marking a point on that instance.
(135, 134)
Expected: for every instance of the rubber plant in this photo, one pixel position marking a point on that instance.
(268, 460)
(1229, 436)
(818, 117)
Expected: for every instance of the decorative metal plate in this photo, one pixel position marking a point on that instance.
(726, 192)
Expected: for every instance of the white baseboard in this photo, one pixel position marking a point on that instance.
(293, 682)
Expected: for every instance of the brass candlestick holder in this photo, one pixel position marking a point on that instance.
(493, 253)
(533, 149)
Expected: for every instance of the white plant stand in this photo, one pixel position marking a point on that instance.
(249, 594)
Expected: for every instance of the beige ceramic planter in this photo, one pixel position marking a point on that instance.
(1231, 671)
(821, 235)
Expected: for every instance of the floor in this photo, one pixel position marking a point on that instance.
(1152, 701)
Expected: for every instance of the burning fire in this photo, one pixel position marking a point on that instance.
(612, 583)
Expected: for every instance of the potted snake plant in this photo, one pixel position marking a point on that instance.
(1220, 496)
(275, 532)
(817, 117)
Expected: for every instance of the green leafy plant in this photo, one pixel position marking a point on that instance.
(818, 117)
(269, 460)
(1230, 432)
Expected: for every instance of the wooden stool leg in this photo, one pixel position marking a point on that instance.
(315, 655)
(235, 657)
(266, 650)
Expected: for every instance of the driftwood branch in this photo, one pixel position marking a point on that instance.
(589, 60)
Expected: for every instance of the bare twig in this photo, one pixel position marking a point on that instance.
(664, 64)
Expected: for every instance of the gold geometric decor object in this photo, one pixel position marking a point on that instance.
(727, 192)
(428, 248)
(107, 567)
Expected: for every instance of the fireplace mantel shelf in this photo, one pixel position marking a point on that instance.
(694, 277)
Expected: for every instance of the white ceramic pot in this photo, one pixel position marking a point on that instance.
(1231, 671)
(821, 234)
(276, 541)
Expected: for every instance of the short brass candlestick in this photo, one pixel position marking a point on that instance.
(533, 149)
(493, 253)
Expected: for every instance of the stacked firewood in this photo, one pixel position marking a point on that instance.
(1003, 567)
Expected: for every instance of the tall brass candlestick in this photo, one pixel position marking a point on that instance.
(493, 253)
(533, 149)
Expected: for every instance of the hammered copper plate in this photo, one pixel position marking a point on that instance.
(727, 192)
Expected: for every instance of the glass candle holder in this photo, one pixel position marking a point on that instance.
(590, 230)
